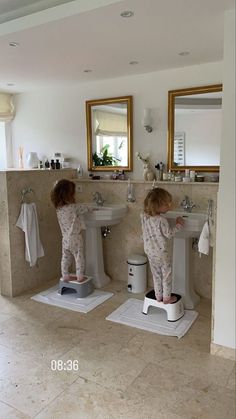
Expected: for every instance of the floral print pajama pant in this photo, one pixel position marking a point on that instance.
(75, 250)
(162, 275)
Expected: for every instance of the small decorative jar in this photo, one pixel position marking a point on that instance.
(32, 160)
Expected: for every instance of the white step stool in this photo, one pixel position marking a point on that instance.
(83, 289)
(174, 311)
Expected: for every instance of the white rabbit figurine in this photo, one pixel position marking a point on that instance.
(148, 173)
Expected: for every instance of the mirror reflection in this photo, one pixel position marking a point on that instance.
(109, 133)
(195, 128)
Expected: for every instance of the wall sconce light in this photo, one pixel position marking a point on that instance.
(147, 119)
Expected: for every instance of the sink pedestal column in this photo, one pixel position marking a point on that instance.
(182, 282)
(94, 257)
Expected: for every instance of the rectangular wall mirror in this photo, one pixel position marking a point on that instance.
(195, 128)
(109, 133)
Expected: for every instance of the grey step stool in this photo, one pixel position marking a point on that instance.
(83, 289)
(174, 311)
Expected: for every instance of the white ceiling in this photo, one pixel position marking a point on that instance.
(58, 41)
(12, 9)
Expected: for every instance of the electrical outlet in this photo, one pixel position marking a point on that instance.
(79, 188)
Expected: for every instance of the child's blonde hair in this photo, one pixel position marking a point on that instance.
(155, 199)
(63, 193)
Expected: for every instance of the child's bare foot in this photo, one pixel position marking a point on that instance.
(170, 300)
(81, 278)
(158, 298)
(66, 278)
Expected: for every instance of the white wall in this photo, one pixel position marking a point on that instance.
(224, 317)
(3, 154)
(54, 120)
(203, 132)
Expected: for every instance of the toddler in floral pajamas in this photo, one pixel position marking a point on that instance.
(71, 224)
(156, 233)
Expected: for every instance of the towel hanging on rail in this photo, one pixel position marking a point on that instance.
(28, 222)
(204, 240)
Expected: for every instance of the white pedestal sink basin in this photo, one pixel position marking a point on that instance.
(182, 283)
(102, 216)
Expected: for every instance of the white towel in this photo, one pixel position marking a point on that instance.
(211, 232)
(28, 222)
(204, 240)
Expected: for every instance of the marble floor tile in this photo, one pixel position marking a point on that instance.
(8, 412)
(104, 364)
(165, 390)
(212, 402)
(27, 384)
(231, 381)
(88, 400)
(4, 317)
(123, 372)
(39, 342)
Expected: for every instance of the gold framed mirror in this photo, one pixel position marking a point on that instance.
(195, 128)
(110, 134)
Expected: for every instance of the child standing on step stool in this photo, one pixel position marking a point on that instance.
(156, 234)
(71, 224)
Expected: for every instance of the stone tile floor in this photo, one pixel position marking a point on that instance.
(122, 372)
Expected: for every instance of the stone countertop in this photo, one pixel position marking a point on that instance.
(162, 182)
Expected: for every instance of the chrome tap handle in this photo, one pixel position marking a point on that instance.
(187, 204)
(97, 197)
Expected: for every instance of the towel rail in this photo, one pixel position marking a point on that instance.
(210, 208)
(24, 192)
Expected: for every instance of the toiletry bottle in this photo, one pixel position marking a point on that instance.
(192, 175)
(115, 175)
(161, 170)
(130, 195)
(158, 171)
(58, 165)
(122, 175)
(169, 175)
(79, 171)
(47, 164)
(52, 164)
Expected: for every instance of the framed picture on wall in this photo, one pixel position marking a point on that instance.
(179, 148)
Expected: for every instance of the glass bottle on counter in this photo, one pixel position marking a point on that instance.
(58, 164)
(47, 164)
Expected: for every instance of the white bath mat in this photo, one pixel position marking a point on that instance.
(130, 313)
(71, 301)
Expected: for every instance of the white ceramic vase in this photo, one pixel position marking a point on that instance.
(32, 160)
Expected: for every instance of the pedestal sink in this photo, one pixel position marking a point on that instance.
(182, 283)
(102, 216)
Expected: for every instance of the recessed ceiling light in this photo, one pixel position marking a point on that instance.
(127, 13)
(87, 70)
(184, 53)
(133, 62)
(13, 44)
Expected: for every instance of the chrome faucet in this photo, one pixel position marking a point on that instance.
(187, 204)
(97, 197)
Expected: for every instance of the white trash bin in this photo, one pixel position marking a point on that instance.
(137, 273)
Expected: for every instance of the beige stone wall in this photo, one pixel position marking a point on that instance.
(17, 276)
(5, 260)
(125, 238)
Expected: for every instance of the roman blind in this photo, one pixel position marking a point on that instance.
(6, 107)
(111, 124)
